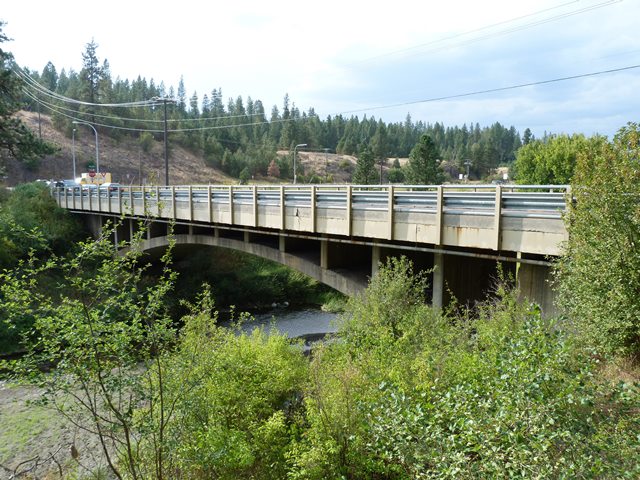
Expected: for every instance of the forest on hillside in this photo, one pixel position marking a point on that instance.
(241, 134)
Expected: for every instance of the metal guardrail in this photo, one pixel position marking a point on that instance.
(523, 201)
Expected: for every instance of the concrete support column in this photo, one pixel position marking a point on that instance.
(324, 254)
(533, 283)
(247, 237)
(438, 280)
(375, 259)
(281, 243)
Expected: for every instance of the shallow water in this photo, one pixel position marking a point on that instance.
(298, 323)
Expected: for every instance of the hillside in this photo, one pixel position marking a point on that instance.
(129, 164)
(124, 158)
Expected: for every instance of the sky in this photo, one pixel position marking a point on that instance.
(353, 57)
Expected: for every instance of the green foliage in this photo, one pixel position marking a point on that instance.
(146, 141)
(411, 394)
(30, 208)
(365, 172)
(107, 336)
(599, 274)
(16, 140)
(243, 390)
(226, 270)
(423, 167)
(245, 175)
(31, 224)
(551, 161)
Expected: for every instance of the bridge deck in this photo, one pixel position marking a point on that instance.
(516, 218)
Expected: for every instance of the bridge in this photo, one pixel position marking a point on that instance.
(339, 234)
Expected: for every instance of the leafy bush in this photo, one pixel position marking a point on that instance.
(235, 421)
(599, 274)
(411, 394)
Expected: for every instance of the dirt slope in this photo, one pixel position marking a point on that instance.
(124, 159)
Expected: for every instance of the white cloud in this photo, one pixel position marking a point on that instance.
(338, 56)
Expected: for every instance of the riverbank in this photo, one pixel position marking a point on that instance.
(37, 439)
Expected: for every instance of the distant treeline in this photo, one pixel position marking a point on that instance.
(242, 135)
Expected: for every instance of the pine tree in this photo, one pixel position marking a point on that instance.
(16, 140)
(423, 168)
(365, 173)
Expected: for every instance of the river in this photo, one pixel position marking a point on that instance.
(310, 324)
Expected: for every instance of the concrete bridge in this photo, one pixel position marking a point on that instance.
(339, 234)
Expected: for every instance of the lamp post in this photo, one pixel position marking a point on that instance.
(164, 101)
(73, 152)
(295, 177)
(96, 133)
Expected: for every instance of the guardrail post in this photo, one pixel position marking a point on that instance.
(349, 212)
(439, 214)
(158, 209)
(312, 194)
(119, 201)
(254, 199)
(390, 213)
(230, 204)
(90, 199)
(173, 202)
(108, 193)
(496, 219)
(144, 202)
(190, 193)
(81, 198)
(99, 199)
(209, 208)
(283, 209)
(132, 210)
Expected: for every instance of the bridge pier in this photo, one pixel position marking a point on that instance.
(534, 284)
(437, 282)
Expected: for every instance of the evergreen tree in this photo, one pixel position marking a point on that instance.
(365, 173)
(423, 168)
(49, 77)
(182, 96)
(380, 145)
(16, 140)
(91, 73)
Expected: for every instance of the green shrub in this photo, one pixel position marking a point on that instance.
(408, 393)
(599, 274)
(241, 390)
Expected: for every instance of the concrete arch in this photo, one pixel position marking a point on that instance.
(346, 284)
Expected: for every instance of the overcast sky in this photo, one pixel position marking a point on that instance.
(353, 56)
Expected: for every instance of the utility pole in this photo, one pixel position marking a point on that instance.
(166, 152)
(165, 100)
(326, 165)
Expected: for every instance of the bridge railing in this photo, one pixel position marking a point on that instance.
(516, 217)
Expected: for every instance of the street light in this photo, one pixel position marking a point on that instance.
(96, 133)
(165, 100)
(295, 177)
(73, 152)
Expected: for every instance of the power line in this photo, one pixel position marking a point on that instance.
(366, 109)
(37, 87)
(493, 34)
(493, 90)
